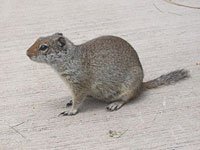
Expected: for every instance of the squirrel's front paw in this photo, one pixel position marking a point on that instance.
(69, 113)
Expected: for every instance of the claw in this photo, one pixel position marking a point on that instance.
(69, 113)
(61, 113)
(114, 106)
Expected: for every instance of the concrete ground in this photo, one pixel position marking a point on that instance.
(166, 37)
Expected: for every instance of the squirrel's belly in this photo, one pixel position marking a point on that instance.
(105, 92)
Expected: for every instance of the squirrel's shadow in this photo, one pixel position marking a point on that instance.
(91, 104)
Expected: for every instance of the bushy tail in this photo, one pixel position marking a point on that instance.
(167, 79)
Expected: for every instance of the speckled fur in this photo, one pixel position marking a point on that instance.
(106, 68)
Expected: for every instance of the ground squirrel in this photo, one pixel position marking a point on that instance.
(106, 68)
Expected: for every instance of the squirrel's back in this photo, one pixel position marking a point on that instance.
(111, 57)
(111, 51)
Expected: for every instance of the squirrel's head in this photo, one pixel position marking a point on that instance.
(48, 49)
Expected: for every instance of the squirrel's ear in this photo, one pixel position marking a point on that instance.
(59, 33)
(61, 41)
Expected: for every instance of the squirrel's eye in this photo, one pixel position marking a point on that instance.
(43, 47)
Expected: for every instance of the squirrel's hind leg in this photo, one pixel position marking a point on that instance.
(123, 99)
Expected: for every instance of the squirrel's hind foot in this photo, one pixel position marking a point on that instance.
(69, 113)
(115, 105)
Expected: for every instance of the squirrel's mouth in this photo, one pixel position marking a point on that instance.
(29, 54)
(39, 59)
(33, 58)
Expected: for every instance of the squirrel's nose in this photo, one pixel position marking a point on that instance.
(29, 54)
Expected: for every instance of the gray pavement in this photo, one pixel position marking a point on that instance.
(166, 37)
